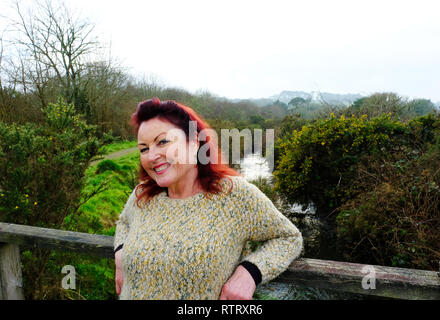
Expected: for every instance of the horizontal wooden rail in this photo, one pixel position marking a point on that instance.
(390, 282)
(342, 276)
(79, 242)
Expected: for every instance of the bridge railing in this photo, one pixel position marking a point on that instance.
(357, 278)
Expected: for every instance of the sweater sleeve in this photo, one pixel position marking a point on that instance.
(123, 223)
(282, 241)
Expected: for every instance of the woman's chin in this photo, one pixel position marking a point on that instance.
(163, 182)
(163, 185)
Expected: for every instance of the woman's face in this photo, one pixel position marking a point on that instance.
(165, 154)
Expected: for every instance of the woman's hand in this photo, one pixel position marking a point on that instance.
(240, 286)
(119, 278)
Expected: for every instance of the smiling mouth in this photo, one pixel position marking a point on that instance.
(161, 169)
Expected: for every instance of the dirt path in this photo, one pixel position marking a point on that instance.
(115, 155)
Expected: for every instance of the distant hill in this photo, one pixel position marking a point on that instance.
(314, 96)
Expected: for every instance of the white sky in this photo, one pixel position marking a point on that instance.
(253, 49)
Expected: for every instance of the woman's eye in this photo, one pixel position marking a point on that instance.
(162, 142)
(143, 150)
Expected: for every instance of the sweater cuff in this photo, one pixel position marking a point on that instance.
(119, 248)
(253, 270)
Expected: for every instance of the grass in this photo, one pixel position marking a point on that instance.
(117, 146)
(114, 147)
(110, 189)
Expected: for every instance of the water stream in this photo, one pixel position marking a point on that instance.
(254, 166)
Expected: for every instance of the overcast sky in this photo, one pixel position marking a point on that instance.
(253, 49)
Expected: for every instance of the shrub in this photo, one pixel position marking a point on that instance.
(376, 181)
(105, 165)
(317, 163)
(393, 218)
(41, 177)
(42, 168)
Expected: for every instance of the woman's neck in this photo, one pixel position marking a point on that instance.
(185, 188)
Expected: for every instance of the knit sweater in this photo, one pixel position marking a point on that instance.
(188, 248)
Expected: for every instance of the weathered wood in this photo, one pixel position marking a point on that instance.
(344, 276)
(28, 236)
(11, 285)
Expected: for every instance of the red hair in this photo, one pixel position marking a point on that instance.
(209, 175)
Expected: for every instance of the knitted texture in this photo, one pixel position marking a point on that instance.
(188, 248)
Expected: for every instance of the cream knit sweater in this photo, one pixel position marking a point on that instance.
(188, 248)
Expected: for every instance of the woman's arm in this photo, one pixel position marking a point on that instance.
(119, 276)
(122, 229)
(283, 241)
(123, 223)
(261, 221)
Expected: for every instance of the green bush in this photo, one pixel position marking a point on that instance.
(317, 163)
(393, 217)
(42, 168)
(377, 104)
(376, 181)
(41, 176)
(107, 165)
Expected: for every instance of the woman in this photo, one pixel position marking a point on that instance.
(183, 230)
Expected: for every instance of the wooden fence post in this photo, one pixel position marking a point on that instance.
(11, 284)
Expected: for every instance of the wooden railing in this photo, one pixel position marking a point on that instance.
(389, 282)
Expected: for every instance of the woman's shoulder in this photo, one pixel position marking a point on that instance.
(245, 194)
(138, 201)
(239, 186)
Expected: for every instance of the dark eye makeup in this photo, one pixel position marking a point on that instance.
(161, 143)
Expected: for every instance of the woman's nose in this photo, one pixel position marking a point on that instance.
(153, 155)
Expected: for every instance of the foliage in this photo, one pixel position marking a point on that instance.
(381, 103)
(42, 168)
(291, 123)
(317, 162)
(297, 101)
(42, 175)
(104, 195)
(393, 218)
(312, 110)
(266, 186)
(15, 106)
(94, 276)
(374, 180)
(421, 107)
(106, 165)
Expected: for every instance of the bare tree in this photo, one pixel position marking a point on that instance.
(53, 48)
(6, 88)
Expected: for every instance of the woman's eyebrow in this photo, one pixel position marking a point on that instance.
(144, 144)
